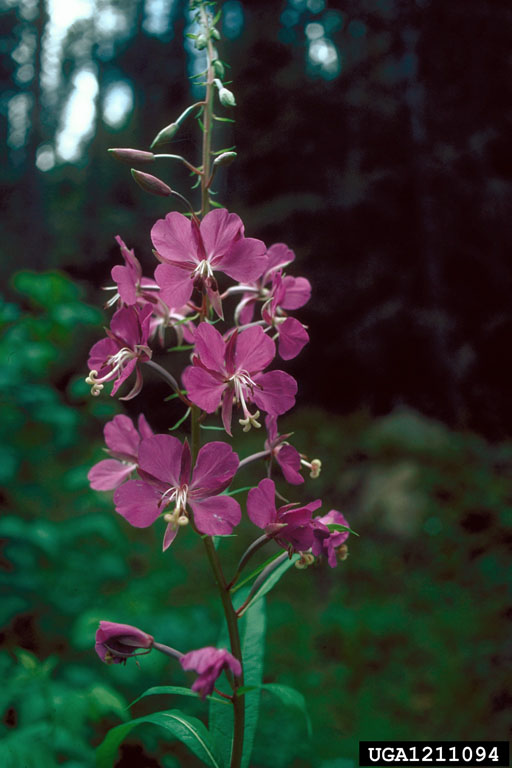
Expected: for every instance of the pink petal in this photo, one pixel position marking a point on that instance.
(219, 229)
(246, 261)
(279, 255)
(175, 283)
(100, 352)
(109, 474)
(227, 409)
(121, 437)
(292, 338)
(261, 505)
(297, 292)
(126, 325)
(173, 238)
(210, 346)
(288, 459)
(143, 427)
(217, 515)
(138, 502)
(126, 284)
(125, 372)
(202, 388)
(271, 426)
(215, 468)
(254, 350)
(277, 393)
(160, 456)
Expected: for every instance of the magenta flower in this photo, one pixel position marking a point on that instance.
(291, 333)
(326, 542)
(117, 642)
(231, 372)
(208, 663)
(285, 454)
(116, 357)
(122, 441)
(165, 471)
(289, 525)
(296, 290)
(191, 254)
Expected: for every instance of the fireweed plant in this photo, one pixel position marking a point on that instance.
(176, 484)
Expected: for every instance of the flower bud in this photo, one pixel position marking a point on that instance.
(151, 184)
(226, 158)
(117, 642)
(215, 33)
(201, 42)
(165, 135)
(132, 155)
(218, 68)
(226, 98)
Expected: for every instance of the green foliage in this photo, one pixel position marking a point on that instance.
(189, 730)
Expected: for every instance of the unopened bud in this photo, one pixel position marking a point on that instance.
(151, 184)
(226, 158)
(215, 33)
(165, 135)
(132, 155)
(226, 98)
(201, 42)
(218, 68)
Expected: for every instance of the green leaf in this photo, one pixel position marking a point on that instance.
(177, 690)
(223, 119)
(220, 719)
(181, 347)
(216, 203)
(256, 571)
(253, 650)
(188, 730)
(337, 527)
(180, 421)
(173, 397)
(216, 429)
(221, 151)
(237, 490)
(272, 580)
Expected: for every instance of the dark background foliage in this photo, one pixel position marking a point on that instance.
(372, 137)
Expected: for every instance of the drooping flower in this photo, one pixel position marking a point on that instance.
(115, 643)
(231, 372)
(285, 454)
(326, 542)
(122, 440)
(289, 525)
(116, 357)
(167, 478)
(191, 254)
(209, 662)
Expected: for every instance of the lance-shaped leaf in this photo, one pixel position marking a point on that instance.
(176, 690)
(289, 696)
(188, 730)
(264, 583)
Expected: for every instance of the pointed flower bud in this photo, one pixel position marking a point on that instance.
(132, 155)
(201, 42)
(226, 158)
(117, 642)
(165, 135)
(226, 97)
(151, 184)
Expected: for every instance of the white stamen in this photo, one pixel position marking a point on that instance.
(203, 269)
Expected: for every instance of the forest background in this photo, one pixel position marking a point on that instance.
(373, 138)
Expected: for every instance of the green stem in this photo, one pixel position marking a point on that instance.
(208, 111)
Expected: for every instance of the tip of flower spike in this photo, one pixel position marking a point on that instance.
(151, 184)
